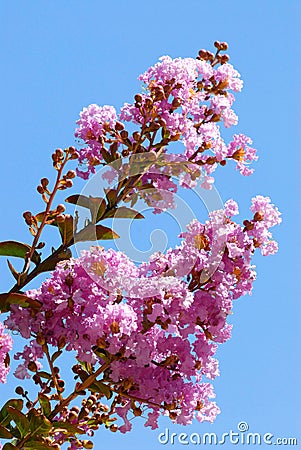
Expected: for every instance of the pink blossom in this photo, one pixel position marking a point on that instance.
(6, 344)
(231, 208)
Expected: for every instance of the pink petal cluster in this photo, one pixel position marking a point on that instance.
(6, 344)
(187, 98)
(267, 216)
(161, 321)
(94, 122)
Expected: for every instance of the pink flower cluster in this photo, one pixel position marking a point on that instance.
(95, 121)
(161, 322)
(186, 98)
(267, 216)
(6, 344)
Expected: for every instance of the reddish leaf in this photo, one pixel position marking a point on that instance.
(95, 232)
(8, 299)
(17, 249)
(124, 213)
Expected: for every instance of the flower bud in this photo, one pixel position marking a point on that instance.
(203, 54)
(60, 208)
(44, 182)
(72, 416)
(124, 134)
(32, 366)
(40, 189)
(225, 59)
(176, 102)
(119, 126)
(59, 153)
(19, 390)
(223, 46)
(69, 279)
(61, 342)
(74, 155)
(137, 412)
(40, 339)
(71, 174)
(258, 216)
(28, 217)
(136, 136)
(115, 327)
(138, 98)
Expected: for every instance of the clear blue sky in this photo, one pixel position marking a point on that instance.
(59, 56)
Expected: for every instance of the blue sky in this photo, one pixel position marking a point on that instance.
(60, 56)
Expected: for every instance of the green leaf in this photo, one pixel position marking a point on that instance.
(50, 217)
(107, 156)
(13, 271)
(50, 263)
(111, 195)
(66, 229)
(102, 388)
(45, 404)
(43, 374)
(95, 232)
(5, 433)
(9, 446)
(83, 375)
(96, 205)
(4, 417)
(13, 298)
(36, 445)
(87, 366)
(97, 208)
(79, 200)
(39, 424)
(56, 355)
(66, 426)
(124, 213)
(18, 249)
(101, 353)
(20, 419)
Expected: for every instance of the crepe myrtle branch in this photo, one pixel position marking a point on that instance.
(144, 336)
